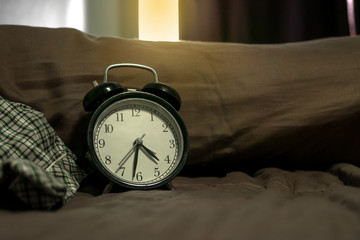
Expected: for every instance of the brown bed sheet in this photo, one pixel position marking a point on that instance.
(290, 105)
(273, 204)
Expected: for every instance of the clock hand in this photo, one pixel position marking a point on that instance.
(137, 142)
(135, 160)
(150, 154)
(122, 162)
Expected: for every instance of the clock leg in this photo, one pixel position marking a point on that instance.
(108, 187)
(169, 186)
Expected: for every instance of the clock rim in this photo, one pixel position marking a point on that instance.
(150, 97)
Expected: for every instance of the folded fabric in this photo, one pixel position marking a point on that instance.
(35, 164)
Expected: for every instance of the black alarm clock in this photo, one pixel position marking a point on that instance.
(136, 138)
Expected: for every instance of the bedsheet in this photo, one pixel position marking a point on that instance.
(272, 204)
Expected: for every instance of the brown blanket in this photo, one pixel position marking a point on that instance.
(275, 204)
(291, 105)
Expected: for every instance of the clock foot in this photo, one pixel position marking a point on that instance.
(108, 187)
(169, 186)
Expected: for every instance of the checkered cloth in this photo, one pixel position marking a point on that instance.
(35, 165)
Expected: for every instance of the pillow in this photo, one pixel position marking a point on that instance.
(246, 106)
(35, 165)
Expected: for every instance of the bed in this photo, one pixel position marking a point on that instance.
(273, 129)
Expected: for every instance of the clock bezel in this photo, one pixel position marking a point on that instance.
(150, 97)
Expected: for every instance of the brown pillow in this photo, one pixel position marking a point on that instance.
(246, 106)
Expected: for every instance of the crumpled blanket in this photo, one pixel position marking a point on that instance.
(35, 165)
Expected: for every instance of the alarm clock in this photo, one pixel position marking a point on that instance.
(136, 138)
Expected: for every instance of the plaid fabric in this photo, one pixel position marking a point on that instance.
(35, 165)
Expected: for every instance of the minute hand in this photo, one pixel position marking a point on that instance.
(137, 142)
(135, 160)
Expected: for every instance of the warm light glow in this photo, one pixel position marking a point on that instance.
(351, 17)
(75, 14)
(159, 20)
(42, 13)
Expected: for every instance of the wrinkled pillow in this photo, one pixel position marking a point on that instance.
(35, 164)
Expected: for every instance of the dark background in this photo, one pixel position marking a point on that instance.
(264, 21)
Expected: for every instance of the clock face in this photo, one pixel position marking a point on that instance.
(137, 140)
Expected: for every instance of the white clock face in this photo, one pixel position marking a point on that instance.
(137, 142)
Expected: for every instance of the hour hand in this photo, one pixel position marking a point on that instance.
(150, 154)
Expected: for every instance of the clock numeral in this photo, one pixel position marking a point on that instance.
(167, 159)
(109, 128)
(107, 159)
(172, 143)
(101, 143)
(135, 112)
(156, 172)
(119, 117)
(165, 127)
(139, 176)
(151, 117)
(122, 169)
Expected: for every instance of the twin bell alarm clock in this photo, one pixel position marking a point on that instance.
(136, 138)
